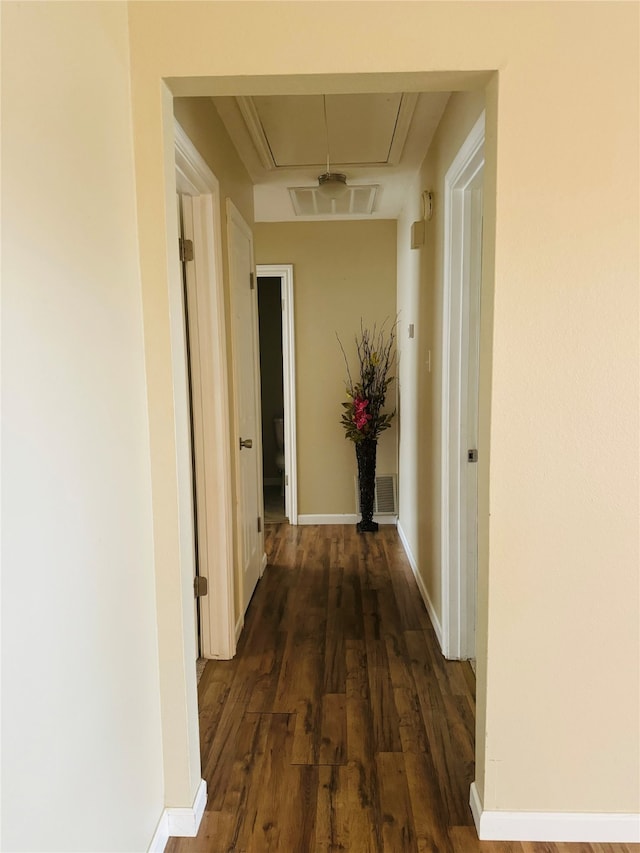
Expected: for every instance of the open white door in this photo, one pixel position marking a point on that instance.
(246, 371)
(192, 350)
(204, 304)
(470, 378)
(460, 371)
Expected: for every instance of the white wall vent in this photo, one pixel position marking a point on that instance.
(385, 497)
(357, 201)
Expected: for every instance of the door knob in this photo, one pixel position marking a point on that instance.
(246, 442)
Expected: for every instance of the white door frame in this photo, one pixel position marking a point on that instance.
(458, 589)
(210, 401)
(285, 273)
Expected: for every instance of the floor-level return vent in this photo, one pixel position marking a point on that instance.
(385, 499)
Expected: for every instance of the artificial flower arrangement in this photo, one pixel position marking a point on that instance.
(363, 417)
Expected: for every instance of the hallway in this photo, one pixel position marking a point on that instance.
(339, 726)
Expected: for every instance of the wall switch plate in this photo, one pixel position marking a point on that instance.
(411, 330)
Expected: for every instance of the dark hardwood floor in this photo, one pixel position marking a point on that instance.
(339, 726)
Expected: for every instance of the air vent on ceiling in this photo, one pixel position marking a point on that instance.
(385, 496)
(357, 201)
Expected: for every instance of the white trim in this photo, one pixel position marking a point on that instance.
(192, 167)
(213, 464)
(346, 518)
(586, 827)
(184, 823)
(476, 806)
(249, 112)
(160, 836)
(433, 616)
(285, 273)
(263, 565)
(408, 102)
(456, 603)
(180, 822)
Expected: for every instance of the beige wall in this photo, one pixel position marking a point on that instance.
(420, 277)
(342, 271)
(199, 119)
(81, 751)
(559, 587)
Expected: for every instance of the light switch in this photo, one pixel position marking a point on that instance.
(411, 330)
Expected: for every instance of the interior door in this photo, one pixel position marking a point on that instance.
(471, 357)
(190, 329)
(248, 440)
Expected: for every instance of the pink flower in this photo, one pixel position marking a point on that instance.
(360, 417)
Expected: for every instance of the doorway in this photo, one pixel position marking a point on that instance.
(460, 380)
(226, 446)
(272, 398)
(277, 358)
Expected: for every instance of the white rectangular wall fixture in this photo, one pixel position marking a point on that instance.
(417, 234)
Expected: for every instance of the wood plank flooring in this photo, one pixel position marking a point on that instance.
(339, 726)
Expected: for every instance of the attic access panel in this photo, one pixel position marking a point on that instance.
(289, 131)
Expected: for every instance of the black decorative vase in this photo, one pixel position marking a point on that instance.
(366, 456)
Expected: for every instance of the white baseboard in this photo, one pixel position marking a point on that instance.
(605, 828)
(160, 836)
(180, 822)
(433, 616)
(476, 806)
(263, 564)
(185, 822)
(346, 518)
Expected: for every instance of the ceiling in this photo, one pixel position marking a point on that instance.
(378, 140)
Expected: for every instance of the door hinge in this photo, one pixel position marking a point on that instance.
(259, 524)
(472, 455)
(200, 586)
(252, 283)
(186, 249)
